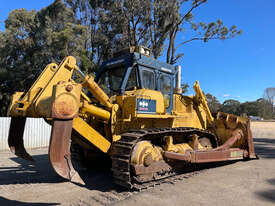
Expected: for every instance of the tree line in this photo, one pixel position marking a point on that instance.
(263, 107)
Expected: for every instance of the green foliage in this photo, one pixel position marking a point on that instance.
(155, 24)
(184, 87)
(259, 108)
(91, 31)
(182, 21)
(213, 104)
(231, 106)
(33, 39)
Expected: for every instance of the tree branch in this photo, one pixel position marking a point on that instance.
(199, 38)
(189, 12)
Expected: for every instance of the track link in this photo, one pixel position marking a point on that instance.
(122, 150)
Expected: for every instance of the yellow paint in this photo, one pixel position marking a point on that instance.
(144, 149)
(95, 111)
(116, 138)
(99, 94)
(44, 99)
(201, 99)
(195, 144)
(226, 123)
(38, 100)
(129, 98)
(120, 112)
(90, 134)
(50, 90)
(85, 97)
(188, 112)
(182, 104)
(66, 101)
(178, 148)
(12, 110)
(28, 99)
(154, 116)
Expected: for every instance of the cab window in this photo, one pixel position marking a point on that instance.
(132, 80)
(111, 80)
(148, 80)
(165, 88)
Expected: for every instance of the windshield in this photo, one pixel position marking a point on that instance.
(111, 80)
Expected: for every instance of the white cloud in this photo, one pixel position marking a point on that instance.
(226, 95)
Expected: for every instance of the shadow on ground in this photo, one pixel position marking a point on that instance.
(265, 147)
(95, 178)
(41, 172)
(98, 178)
(4, 201)
(268, 194)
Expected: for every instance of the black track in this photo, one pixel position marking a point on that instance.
(122, 150)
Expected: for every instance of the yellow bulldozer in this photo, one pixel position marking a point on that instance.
(134, 112)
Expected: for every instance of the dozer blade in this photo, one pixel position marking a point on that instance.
(15, 138)
(59, 151)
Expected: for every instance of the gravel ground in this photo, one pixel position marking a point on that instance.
(240, 183)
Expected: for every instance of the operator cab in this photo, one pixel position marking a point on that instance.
(134, 68)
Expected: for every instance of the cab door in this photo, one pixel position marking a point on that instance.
(165, 86)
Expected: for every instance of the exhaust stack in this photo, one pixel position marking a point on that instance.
(178, 89)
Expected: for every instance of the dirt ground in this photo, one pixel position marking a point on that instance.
(240, 183)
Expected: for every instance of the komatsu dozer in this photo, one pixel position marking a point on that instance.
(134, 112)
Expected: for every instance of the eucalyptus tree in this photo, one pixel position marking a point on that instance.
(33, 39)
(156, 24)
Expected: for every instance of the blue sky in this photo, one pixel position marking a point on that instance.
(239, 68)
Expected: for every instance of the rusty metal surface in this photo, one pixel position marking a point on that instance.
(66, 100)
(15, 138)
(65, 108)
(208, 156)
(221, 153)
(59, 151)
(216, 156)
(177, 156)
(236, 135)
(154, 167)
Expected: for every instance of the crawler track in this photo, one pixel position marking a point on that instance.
(122, 149)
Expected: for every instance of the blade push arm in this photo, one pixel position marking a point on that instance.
(201, 99)
(92, 86)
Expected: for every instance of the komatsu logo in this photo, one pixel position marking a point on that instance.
(146, 106)
(143, 104)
